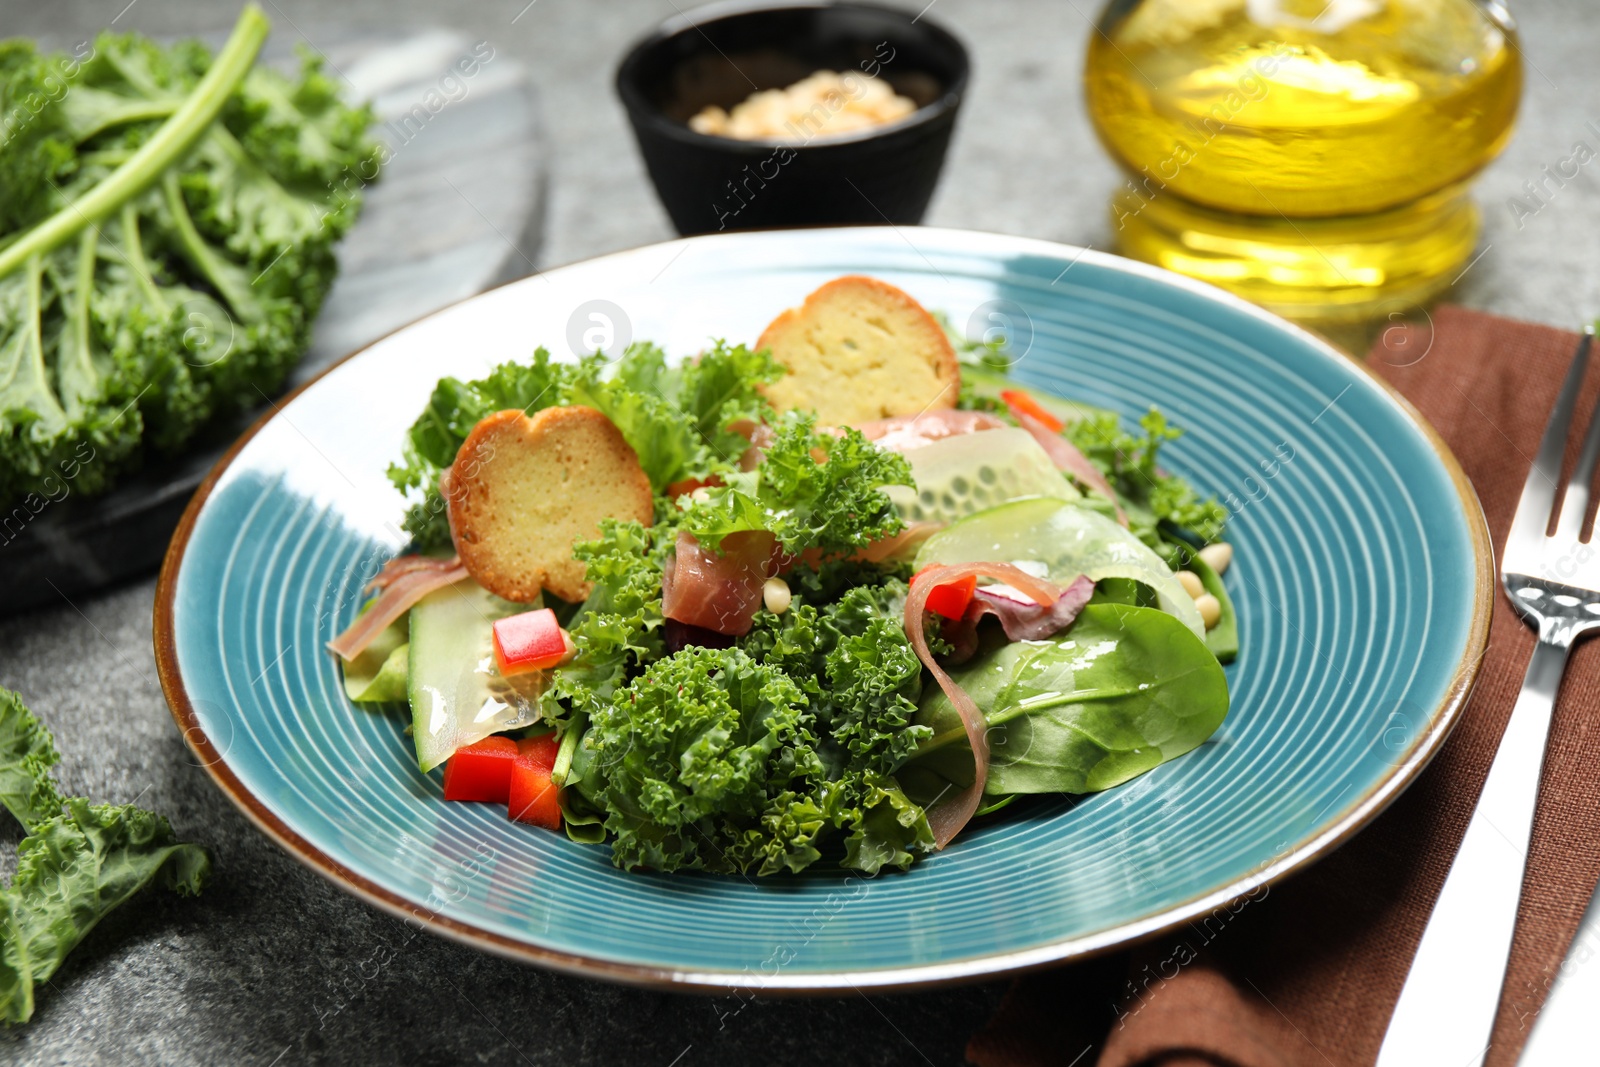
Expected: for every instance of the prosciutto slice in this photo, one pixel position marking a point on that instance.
(401, 566)
(1065, 455)
(720, 593)
(902, 433)
(951, 812)
(902, 545)
(401, 589)
(1020, 617)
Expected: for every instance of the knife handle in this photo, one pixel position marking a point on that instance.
(1447, 1008)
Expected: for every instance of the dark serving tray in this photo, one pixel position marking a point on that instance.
(458, 209)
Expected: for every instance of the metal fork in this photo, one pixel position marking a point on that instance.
(1447, 1008)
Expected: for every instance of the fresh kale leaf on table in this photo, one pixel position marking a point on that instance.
(77, 863)
(166, 240)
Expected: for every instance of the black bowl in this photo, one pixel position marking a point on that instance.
(722, 53)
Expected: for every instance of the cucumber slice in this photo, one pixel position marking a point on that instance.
(457, 694)
(957, 476)
(1069, 540)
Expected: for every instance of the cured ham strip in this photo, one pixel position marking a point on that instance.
(902, 433)
(399, 594)
(1065, 455)
(952, 812)
(902, 545)
(1024, 620)
(401, 566)
(720, 593)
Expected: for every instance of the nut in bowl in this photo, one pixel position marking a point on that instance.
(753, 116)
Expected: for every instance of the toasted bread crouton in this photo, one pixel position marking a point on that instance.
(859, 349)
(522, 490)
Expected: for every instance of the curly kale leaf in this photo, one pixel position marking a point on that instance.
(721, 390)
(860, 673)
(752, 757)
(1149, 495)
(72, 871)
(638, 395)
(618, 628)
(887, 828)
(27, 752)
(74, 866)
(36, 149)
(812, 491)
(710, 760)
(690, 757)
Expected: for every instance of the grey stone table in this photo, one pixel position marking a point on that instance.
(275, 966)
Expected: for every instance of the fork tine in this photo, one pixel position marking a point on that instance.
(1539, 493)
(1576, 502)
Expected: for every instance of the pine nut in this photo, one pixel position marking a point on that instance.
(1217, 556)
(1210, 609)
(775, 595)
(1191, 584)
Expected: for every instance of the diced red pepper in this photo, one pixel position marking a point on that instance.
(531, 641)
(950, 599)
(481, 770)
(533, 797)
(1018, 401)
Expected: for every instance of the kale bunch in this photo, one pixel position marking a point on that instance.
(166, 240)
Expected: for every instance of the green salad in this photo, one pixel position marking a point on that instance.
(793, 643)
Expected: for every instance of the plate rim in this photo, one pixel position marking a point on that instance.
(1354, 817)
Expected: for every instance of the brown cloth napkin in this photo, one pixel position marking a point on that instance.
(1309, 973)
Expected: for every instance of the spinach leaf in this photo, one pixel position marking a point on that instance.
(1124, 690)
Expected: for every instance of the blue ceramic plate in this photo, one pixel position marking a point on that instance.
(1362, 584)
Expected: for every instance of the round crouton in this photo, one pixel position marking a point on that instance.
(859, 349)
(522, 490)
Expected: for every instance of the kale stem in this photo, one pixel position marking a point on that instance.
(30, 362)
(133, 253)
(138, 111)
(200, 256)
(88, 249)
(175, 137)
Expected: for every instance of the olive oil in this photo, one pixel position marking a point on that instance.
(1309, 155)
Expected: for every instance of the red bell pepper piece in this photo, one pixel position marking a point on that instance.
(1023, 403)
(530, 641)
(950, 599)
(481, 770)
(533, 797)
